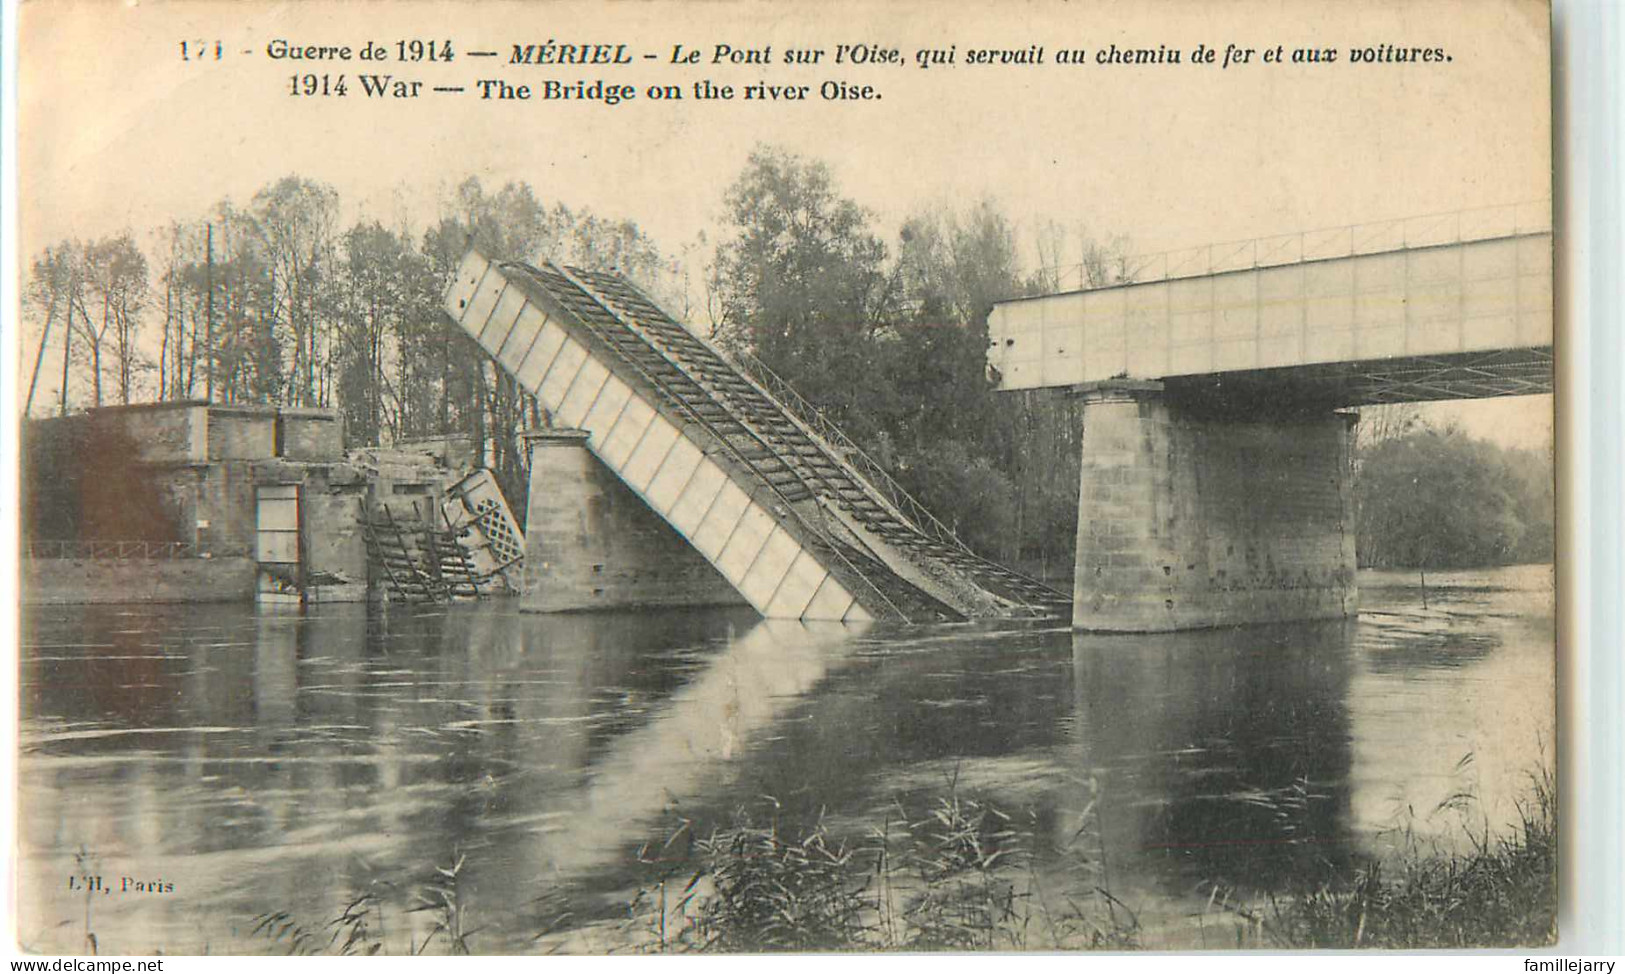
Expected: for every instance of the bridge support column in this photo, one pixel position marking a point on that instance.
(591, 543)
(1189, 519)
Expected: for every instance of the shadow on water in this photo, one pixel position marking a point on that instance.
(579, 824)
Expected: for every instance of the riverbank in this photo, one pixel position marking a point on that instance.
(960, 877)
(958, 874)
(1503, 893)
(103, 581)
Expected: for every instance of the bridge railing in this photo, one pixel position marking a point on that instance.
(129, 550)
(865, 465)
(699, 418)
(1430, 230)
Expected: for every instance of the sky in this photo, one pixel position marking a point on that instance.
(118, 131)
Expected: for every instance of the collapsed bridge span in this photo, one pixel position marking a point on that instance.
(780, 511)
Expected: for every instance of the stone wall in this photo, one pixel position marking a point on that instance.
(335, 544)
(311, 434)
(591, 543)
(88, 477)
(163, 433)
(242, 433)
(1188, 520)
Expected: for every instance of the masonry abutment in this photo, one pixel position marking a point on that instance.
(593, 544)
(1190, 519)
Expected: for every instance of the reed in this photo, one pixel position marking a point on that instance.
(954, 875)
(1500, 892)
(358, 929)
(955, 871)
(440, 897)
(88, 864)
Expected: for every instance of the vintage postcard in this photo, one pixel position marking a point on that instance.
(610, 477)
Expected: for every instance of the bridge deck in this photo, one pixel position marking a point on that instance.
(778, 511)
(1457, 320)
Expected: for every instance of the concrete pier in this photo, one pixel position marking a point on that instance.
(591, 543)
(1189, 519)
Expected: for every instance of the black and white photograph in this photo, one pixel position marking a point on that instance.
(602, 477)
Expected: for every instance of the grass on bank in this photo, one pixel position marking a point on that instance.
(959, 874)
(961, 877)
(1501, 893)
(359, 930)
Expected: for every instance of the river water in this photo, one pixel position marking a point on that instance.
(237, 762)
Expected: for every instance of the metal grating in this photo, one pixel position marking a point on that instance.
(477, 514)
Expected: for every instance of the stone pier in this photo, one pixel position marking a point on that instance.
(1191, 518)
(591, 543)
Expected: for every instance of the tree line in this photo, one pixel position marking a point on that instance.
(884, 334)
(277, 303)
(888, 339)
(1429, 496)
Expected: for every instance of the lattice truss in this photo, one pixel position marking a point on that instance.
(477, 511)
(1412, 378)
(1484, 375)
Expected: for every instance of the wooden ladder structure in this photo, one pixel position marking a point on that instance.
(451, 565)
(391, 547)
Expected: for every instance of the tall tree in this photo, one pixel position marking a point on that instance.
(99, 291)
(801, 269)
(388, 326)
(223, 335)
(510, 224)
(295, 219)
(116, 272)
(804, 284)
(894, 352)
(55, 287)
(1020, 450)
(513, 223)
(371, 305)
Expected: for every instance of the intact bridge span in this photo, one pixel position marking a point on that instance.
(1216, 484)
